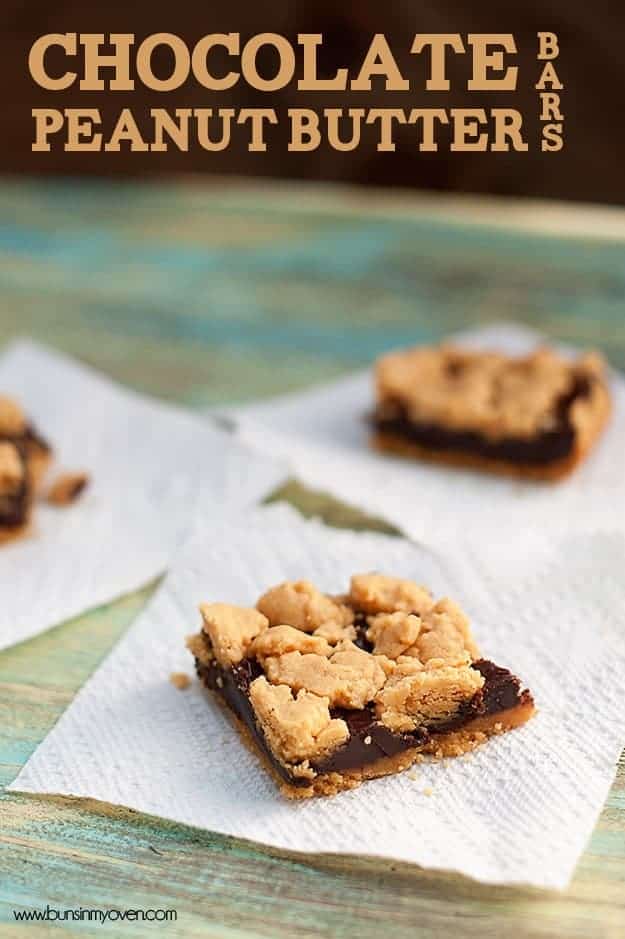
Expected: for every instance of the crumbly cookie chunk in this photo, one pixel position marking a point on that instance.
(378, 593)
(278, 640)
(445, 636)
(425, 697)
(297, 728)
(393, 633)
(231, 629)
(335, 633)
(487, 392)
(180, 680)
(300, 604)
(11, 468)
(349, 678)
(67, 488)
(12, 418)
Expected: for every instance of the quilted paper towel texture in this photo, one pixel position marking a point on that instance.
(324, 435)
(149, 464)
(520, 809)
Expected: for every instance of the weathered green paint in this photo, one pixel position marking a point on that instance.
(209, 295)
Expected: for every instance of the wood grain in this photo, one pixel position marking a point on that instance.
(206, 295)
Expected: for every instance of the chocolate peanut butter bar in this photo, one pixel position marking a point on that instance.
(336, 690)
(17, 429)
(24, 456)
(535, 416)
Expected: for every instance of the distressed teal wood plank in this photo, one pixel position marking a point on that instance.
(214, 294)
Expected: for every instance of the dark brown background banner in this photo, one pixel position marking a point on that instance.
(590, 167)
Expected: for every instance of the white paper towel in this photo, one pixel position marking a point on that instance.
(149, 464)
(323, 433)
(519, 809)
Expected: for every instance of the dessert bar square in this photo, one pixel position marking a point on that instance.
(336, 690)
(535, 416)
(24, 456)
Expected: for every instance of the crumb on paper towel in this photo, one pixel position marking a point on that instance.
(180, 680)
(67, 488)
(428, 791)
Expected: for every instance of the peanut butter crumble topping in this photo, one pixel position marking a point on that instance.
(328, 685)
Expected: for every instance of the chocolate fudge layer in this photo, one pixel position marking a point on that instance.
(535, 416)
(333, 691)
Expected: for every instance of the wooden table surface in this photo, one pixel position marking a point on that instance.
(206, 294)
